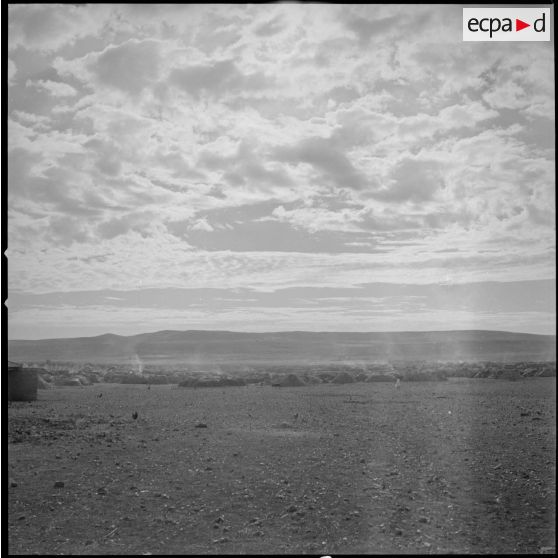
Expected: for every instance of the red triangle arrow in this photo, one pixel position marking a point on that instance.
(519, 25)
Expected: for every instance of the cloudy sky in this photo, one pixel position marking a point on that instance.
(275, 167)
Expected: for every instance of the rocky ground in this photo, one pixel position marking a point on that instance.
(463, 465)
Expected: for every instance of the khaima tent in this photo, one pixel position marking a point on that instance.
(343, 378)
(22, 383)
(290, 380)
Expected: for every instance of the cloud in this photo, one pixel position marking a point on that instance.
(50, 27)
(271, 27)
(307, 146)
(12, 70)
(365, 28)
(137, 221)
(332, 164)
(55, 88)
(130, 67)
(67, 230)
(219, 78)
(412, 180)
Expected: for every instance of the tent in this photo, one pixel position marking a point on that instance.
(290, 380)
(343, 378)
(22, 383)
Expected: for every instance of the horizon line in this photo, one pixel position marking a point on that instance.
(283, 331)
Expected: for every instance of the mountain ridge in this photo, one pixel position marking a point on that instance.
(290, 346)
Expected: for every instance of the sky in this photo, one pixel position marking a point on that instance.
(275, 167)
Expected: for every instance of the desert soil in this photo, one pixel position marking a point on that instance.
(465, 466)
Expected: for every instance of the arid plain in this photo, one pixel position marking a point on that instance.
(464, 465)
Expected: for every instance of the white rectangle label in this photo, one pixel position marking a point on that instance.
(506, 24)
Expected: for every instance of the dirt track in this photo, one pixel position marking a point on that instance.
(433, 467)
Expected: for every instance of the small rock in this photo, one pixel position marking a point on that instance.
(102, 490)
(292, 509)
(13, 484)
(59, 484)
(398, 532)
(423, 519)
(201, 425)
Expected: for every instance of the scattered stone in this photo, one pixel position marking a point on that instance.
(201, 425)
(59, 484)
(13, 483)
(423, 519)
(292, 509)
(101, 491)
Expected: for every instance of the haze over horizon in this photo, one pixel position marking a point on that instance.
(277, 167)
(271, 332)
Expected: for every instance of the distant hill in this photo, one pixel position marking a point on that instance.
(292, 346)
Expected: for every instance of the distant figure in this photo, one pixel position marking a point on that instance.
(149, 386)
(397, 383)
(296, 416)
(135, 415)
(100, 395)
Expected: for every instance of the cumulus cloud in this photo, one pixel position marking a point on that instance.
(129, 67)
(413, 180)
(218, 78)
(55, 88)
(305, 145)
(331, 162)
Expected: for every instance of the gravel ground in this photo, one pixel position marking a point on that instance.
(464, 466)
